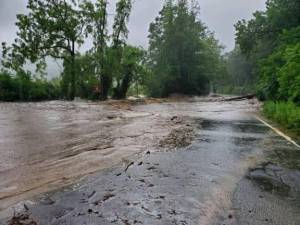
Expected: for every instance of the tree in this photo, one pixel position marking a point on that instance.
(96, 15)
(270, 41)
(119, 37)
(51, 28)
(280, 71)
(260, 35)
(109, 58)
(131, 70)
(182, 53)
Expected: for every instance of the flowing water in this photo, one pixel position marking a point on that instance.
(45, 146)
(51, 144)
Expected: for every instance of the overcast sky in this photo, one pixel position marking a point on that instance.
(218, 15)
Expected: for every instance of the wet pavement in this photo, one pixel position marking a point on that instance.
(236, 171)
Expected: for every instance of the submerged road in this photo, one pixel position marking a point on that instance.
(236, 171)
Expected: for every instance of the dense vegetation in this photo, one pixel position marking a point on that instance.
(285, 113)
(23, 87)
(183, 56)
(58, 28)
(271, 43)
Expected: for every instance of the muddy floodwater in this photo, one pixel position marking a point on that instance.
(196, 161)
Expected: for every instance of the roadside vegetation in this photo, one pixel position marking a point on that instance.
(287, 114)
(267, 59)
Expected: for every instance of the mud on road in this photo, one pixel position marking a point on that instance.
(48, 145)
(190, 162)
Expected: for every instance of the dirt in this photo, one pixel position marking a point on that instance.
(178, 137)
(21, 219)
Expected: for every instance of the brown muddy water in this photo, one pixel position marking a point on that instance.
(48, 145)
(233, 165)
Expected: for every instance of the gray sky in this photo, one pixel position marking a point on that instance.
(218, 15)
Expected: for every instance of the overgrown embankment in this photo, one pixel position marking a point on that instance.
(287, 114)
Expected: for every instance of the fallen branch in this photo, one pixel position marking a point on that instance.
(239, 98)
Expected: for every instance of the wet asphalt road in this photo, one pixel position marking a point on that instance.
(237, 171)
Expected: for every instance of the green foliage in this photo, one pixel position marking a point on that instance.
(96, 16)
(110, 52)
(8, 87)
(120, 31)
(87, 85)
(132, 70)
(271, 41)
(57, 28)
(22, 87)
(280, 71)
(289, 74)
(183, 55)
(259, 36)
(51, 28)
(286, 114)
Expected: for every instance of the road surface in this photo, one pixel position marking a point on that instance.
(235, 171)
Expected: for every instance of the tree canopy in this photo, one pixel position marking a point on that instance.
(51, 28)
(183, 54)
(271, 41)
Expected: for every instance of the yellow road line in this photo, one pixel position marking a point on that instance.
(278, 132)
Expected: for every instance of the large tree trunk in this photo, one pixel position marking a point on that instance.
(73, 79)
(73, 73)
(121, 91)
(105, 86)
(240, 98)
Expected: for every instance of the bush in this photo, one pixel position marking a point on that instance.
(21, 87)
(280, 77)
(286, 114)
(8, 87)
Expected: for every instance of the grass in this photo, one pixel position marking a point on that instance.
(287, 114)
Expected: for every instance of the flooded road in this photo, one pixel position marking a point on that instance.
(235, 171)
(48, 145)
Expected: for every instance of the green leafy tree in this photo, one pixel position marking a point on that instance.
(51, 28)
(183, 55)
(131, 70)
(96, 15)
(280, 71)
(87, 82)
(270, 41)
(119, 37)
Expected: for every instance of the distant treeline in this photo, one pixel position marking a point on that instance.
(183, 56)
